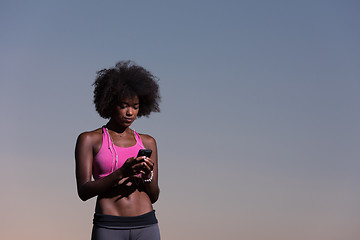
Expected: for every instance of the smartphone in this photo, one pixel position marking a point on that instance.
(144, 152)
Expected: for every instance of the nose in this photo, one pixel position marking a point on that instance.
(129, 111)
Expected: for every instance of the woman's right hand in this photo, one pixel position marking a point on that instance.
(132, 167)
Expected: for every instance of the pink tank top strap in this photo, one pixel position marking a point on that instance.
(104, 135)
(110, 146)
(106, 138)
(138, 139)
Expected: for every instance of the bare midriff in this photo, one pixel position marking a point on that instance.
(135, 204)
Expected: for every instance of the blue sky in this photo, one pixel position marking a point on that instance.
(259, 123)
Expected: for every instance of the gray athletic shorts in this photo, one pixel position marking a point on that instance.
(108, 227)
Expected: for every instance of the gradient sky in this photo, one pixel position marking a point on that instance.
(259, 127)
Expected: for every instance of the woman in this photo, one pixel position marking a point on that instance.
(126, 185)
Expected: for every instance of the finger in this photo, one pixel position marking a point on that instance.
(140, 159)
(134, 162)
(130, 161)
(139, 166)
(142, 168)
(146, 166)
(148, 160)
(149, 163)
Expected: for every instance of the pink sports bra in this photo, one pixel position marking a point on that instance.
(111, 157)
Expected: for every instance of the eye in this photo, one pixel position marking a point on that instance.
(123, 106)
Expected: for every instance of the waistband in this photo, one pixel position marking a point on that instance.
(119, 222)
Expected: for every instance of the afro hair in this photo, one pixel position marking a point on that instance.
(125, 80)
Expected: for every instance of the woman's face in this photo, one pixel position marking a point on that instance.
(126, 112)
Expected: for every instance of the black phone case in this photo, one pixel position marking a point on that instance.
(144, 152)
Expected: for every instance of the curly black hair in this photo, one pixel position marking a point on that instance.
(126, 79)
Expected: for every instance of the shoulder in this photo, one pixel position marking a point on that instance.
(148, 140)
(90, 137)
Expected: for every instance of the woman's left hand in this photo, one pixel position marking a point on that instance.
(146, 167)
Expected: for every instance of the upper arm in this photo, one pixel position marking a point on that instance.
(84, 158)
(150, 143)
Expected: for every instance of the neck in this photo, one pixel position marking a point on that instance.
(116, 128)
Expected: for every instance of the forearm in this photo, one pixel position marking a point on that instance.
(152, 190)
(93, 188)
